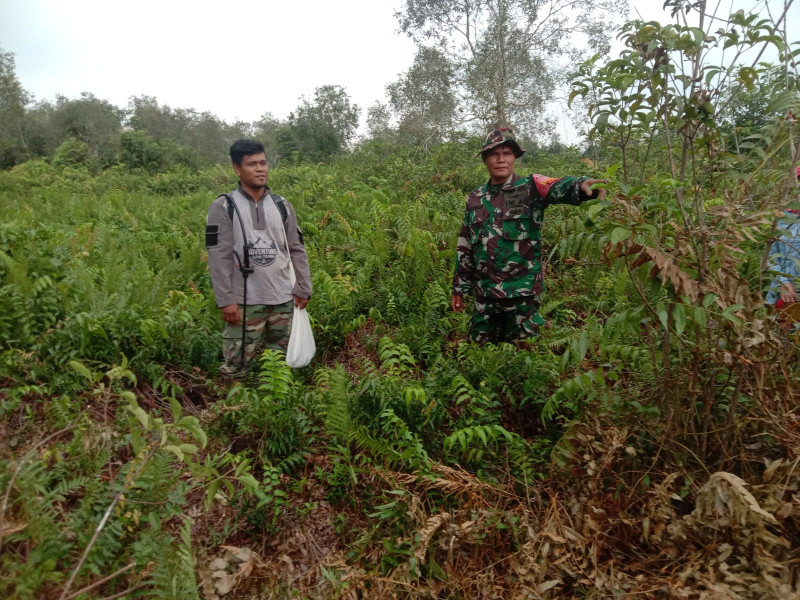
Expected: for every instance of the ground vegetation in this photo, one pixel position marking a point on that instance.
(644, 445)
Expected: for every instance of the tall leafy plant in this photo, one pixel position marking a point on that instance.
(690, 236)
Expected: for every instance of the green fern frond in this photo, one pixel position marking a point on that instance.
(186, 565)
(337, 421)
(564, 337)
(464, 438)
(275, 374)
(378, 450)
(546, 308)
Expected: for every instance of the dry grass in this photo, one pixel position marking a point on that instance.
(583, 533)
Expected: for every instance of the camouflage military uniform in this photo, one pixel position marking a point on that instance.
(276, 319)
(500, 254)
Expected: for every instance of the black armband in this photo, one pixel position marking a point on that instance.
(212, 235)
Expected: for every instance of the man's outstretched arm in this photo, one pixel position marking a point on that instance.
(568, 190)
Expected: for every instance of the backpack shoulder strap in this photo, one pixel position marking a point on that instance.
(228, 204)
(278, 200)
(281, 204)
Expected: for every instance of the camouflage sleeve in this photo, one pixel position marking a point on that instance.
(465, 265)
(566, 190)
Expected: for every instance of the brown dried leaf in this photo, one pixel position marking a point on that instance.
(547, 585)
(426, 533)
(9, 527)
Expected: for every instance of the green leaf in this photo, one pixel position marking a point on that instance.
(137, 443)
(188, 448)
(700, 315)
(583, 345)
(175, 450)
(595, 208)
(176, 409)
(602, 122)
(482, 435)
(679, 316)
(249, 482)
(211, 493)
(129, 396)
(80, 368)
(141, 416)
(748, 76)
(192, 425)
(783, 102)
(699, 36)
(619, 234)
(663, 315)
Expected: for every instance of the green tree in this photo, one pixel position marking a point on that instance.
(137, 150)
(691, 237)
(423, 98)
(72, 153)
(13, 100)
(502, 51)
(325, 126)
(208, 137)
(266, 130)
(379, 117)
(749, 108)
(95, 122)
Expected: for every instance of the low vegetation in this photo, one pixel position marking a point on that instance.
(644, 445)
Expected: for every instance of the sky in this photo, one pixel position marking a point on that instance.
(237, 60)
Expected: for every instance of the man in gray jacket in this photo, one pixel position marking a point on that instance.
(253, 221)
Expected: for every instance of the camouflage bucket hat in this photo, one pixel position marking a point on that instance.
(498, 137)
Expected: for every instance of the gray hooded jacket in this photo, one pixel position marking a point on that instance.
(278, 255)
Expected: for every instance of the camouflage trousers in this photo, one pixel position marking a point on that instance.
(505, 320)
(270, 324)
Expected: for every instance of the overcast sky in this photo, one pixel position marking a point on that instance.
(235, 59)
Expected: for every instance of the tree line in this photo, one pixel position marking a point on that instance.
(479, 64)
(149, 135)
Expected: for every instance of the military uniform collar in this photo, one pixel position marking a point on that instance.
(508, 185)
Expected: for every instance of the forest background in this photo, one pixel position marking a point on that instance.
(645, 444)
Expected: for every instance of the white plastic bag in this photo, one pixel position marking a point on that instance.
(301, 340)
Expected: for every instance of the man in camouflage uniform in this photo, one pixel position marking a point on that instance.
(280, 279)
(499, 248)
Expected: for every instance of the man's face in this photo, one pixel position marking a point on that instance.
(500, 163)
(253, 171)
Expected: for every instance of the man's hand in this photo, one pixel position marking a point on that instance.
(457, 302)
(231, 314)
(788, 293)
(300, 302)
(588, 183)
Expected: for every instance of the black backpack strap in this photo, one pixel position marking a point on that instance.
(281, 204)
(278, 200)
(229, 205)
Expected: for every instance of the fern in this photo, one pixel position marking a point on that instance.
(573, 393)
(379, 451)
(564, 337)
(464, 440)
(185, 581)
(337, 421)
(275, 374)
(293, 462)
(397, 358)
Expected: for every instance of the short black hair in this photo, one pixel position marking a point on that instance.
(245, 147)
